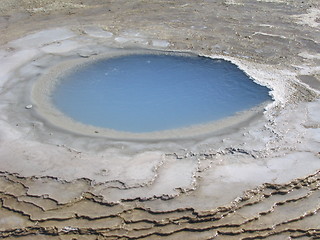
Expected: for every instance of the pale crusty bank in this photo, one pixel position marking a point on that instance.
(256, 177)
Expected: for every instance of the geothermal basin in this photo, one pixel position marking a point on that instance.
(133, 93)
(252, 173)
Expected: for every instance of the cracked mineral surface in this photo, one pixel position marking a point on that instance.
(254, 176)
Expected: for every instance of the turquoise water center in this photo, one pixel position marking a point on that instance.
(142, 93)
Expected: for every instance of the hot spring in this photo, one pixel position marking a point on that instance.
(141, 93)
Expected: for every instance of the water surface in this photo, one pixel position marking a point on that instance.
(145, 93)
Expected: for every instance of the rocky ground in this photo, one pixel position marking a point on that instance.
(257, 180)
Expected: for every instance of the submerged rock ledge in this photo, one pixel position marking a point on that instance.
(259, 179)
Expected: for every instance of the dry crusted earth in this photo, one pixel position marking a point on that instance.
(282, 34)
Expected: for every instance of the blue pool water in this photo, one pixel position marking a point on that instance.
(144, 93)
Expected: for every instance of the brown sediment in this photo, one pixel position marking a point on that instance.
(282, 210)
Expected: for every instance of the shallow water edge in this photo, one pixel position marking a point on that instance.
(42, 104)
